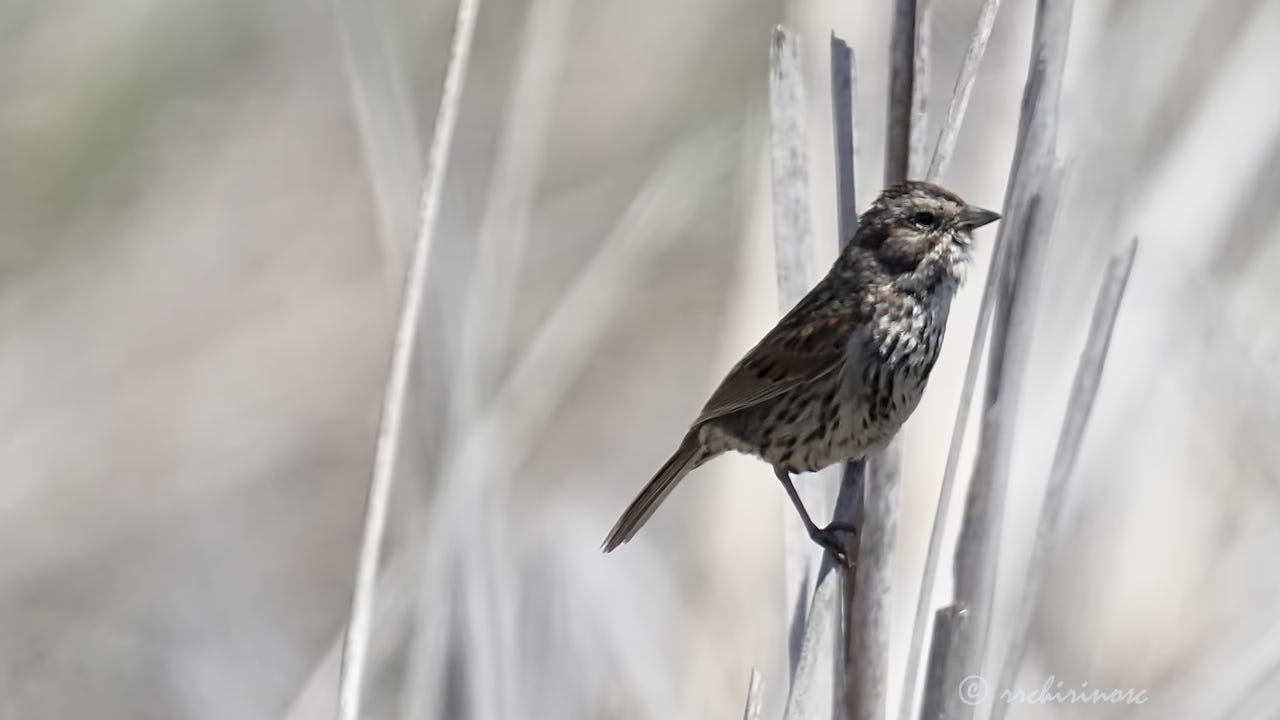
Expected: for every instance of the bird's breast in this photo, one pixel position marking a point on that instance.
(844, 415)
(894, 370)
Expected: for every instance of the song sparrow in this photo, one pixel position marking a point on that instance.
(839, 374)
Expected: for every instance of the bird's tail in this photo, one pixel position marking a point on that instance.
(637, 513)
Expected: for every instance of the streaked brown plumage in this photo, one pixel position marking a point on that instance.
(839, 374)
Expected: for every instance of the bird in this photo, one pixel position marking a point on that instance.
(839, 374)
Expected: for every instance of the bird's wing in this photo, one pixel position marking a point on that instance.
(808, 344)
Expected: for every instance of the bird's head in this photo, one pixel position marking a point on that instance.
(920, 229)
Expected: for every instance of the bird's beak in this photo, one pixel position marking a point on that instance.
(975, 217)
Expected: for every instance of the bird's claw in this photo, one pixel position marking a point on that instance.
(830, 539)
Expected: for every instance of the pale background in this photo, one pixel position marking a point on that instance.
(198, 288)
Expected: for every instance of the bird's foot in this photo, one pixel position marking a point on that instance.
(831, 539)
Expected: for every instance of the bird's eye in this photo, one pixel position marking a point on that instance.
(924, 219)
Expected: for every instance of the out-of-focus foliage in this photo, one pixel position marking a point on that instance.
(195, 318)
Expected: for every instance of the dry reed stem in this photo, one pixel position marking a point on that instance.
(978, 544)
(754, 693)
(820, 625)
(897, 151)
(527, 398)
(965, 81)
(794, 259)
(355, 650)
(1083, 392)
(559, 349)
(975, 554)
(942, 153)
(489, 620)
(920, 70)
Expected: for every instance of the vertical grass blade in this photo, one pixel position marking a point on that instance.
(356, 647)
(1084, 390)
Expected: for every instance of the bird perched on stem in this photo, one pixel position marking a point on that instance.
(839, 374)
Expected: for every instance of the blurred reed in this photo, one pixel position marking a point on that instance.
(407, 340)
(1084, 391)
